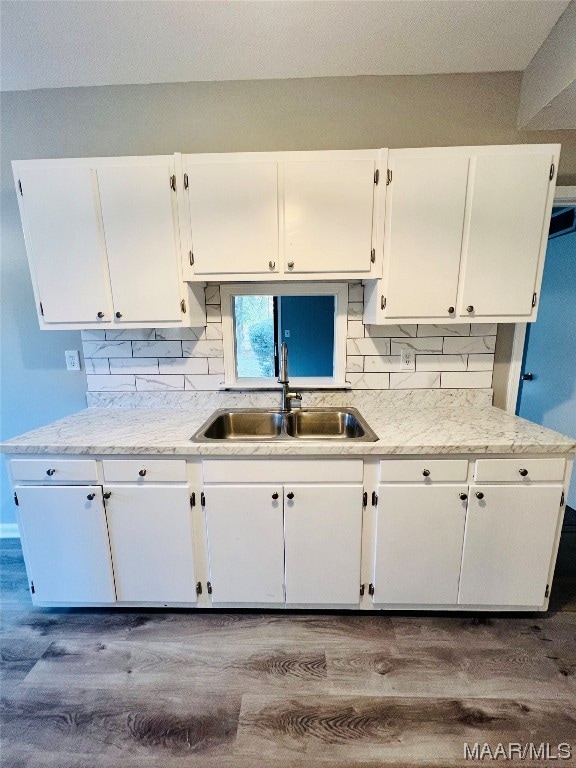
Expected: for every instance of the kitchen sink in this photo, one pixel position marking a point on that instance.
(303, 423)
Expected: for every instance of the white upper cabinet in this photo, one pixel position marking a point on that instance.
(465, 234)
(103, 242)
(233, 216)
(288, 215)
(328, 215)
(60, 213)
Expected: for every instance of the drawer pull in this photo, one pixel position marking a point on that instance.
(523, 472)
(91, 496)
(426, 472)
(463, 496)
(479, 495)
(50, 472)
(142, 473)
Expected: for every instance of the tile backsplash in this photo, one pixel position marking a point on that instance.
(192, 359)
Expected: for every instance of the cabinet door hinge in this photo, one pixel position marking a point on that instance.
(376, 176)
(370, 589)
(209, 587)
(16, 499)
(20, 188)
(198, 587)
(552, 169)
(192, 499)
(173, 182)
(361, 590)
(388, 177)
(547, 593)
(373, 255)
(183, 306)
(41, 309)
(191, 255)
(561, 499)
(186, 187)
(534, 297)
(32, 589)
(365, 499)
(383, 302)
(374, 499)
(202, 499)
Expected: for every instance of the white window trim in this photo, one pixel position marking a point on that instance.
(338, 290)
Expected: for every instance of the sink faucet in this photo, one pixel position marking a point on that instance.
(287, 396)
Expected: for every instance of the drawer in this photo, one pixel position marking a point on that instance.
(288, 471)
(519, 470)
(144, 471)
(412, 470)
(55, 471)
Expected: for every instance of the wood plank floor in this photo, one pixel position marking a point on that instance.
(169, 689)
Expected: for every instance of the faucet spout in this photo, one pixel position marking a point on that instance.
(287, 396)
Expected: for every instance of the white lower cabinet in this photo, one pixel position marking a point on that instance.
(151, 542)
(418, 546)
(293, 543)
(508, 544)
(65, 544)
(245, 543)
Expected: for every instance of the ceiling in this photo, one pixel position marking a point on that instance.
(67, 43)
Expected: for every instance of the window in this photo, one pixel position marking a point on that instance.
(310, 319)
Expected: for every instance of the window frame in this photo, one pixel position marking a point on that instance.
(340, 292)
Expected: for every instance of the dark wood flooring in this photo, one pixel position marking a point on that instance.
(170, 689)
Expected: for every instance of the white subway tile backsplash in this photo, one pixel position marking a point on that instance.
(480, 362)
(183, 365)
(157, 348)
(417, 380)
(107, 348)
(139, 365)
(441, 362)
(424, 345)
(176, 359)
(461, 346)
(468, 380)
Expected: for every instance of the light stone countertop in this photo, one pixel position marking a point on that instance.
(455, 429)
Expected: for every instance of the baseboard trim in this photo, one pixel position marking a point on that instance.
(9, 531)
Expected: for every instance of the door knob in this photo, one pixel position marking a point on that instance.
(91, 496)
(107, 494)
(272, 265)
(426, 472)
(523, 472)
(142, 473)
(290, 495)
(290, 265)
(527, 377)
(470, 308)
(479, 495)
(451, 310)
(100, 315)
(118, 315)
(50, 472)
(274, 495)
(463, 496)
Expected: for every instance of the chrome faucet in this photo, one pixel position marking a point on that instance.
(287, 396)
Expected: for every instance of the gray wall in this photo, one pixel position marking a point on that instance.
(324, 113)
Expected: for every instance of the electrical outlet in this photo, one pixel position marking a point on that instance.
(406, 359)
(72, 359)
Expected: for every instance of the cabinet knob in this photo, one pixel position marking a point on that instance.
(479, 495)
(274, 495)
(426, 472)
(272, 265)
(527, 377)
(463, 496)
(451, 310)
(107, 494)
(118, 315)
(469, 308)
(50, 472)
(142, 473)
(290, 495)
(100, 315)
(91, 496)
(523, 472)
(290, 265)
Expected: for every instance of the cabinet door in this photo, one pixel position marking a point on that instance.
(508, 544)
(233, 211)
(322, 527)
(151, 542)
(419, 544)
(142, 241)
(65, 541)
(60, 213)
(245, 543)
(423, 233)
(328, 206)
(506, 220)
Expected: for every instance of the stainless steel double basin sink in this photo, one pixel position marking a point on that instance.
(255, 424)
